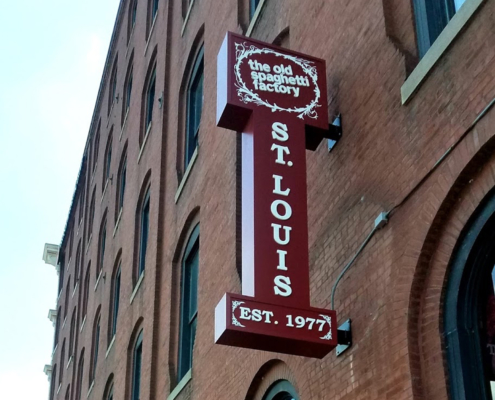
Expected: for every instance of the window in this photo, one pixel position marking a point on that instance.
(91, 214)
(431, 18)
(194, 104)
(189, 304)
(253, 5)
(78, 265)
(72, 333)
(96, 148)
(114, 304)
(281, 390)
(469, 309)
(57, 327)
(131, 19)
(144, 224)
(67, 393)
(61, 274)
(149, 100)
(108, 393)
(86, 291)
(108, 160)
(80, 374)
(137, 355)
(66, 302)
(53, 380)
(121, 181)
(101, 247)
(152, 11)
(62, 364)
(96, 346)
(81, 202)
(112, 89)
(70, 244)
(127, 90)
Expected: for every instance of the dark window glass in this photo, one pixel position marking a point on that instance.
(112, 90)
(81, 204)
(136, 367)
(86, 292)
(53, 382)
(253, 5)
(115, 305)
(91, 215)
(108, 161)
(150, 99)
(78, 264)
(67, 393)
(62, 364)
(103, 239)
(57, 327)
(133, 14)
(61, 276)
(96, 346)
(128, 92)
(80, 374)
(96, 149)
(122, 181)
(144, 230)
(110, 394)
(431, 18)
(189, 304)
(72, 333)
(194, 107)
(154, 9)
(66, 302)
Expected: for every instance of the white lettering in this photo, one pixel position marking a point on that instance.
(267, 315)
(288, 210)
(278, 186)
(245, 313)
(279, 131)
(276, 234)
(280, 152)
(281, 260)
(282, 286)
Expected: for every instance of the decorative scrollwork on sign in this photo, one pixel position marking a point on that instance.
(328, 336)
(235, 322)
(248, 96)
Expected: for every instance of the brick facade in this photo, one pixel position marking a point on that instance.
(386, 160)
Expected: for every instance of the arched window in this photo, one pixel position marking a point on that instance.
(86, 292)
(91, 215)
(137, 356)
(78, 267)
(148, 100)
(66, 301)
(101, 245)
(189, 303)
(108, 160)
(131, 18)
(469, 309)
(80, 375)
(281, 390)
(126, 98)
(143, 225)
(72, 334)
(67, 393)
(108, 393)
(57, 327)
(96, 147)
(53, 382)
(112, 89)
(152, 12)
(95, 345)
(121, 183)
(194, 107)
(114, 300)
(62, 364)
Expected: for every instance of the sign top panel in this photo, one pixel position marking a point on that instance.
(257, 77)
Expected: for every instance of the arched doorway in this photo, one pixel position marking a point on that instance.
(469, 309)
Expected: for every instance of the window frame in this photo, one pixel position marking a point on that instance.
(127, 95)
(72, 333)
(102, 239)
(137, 350)
(253, 6)
(95, 345)
(91, 218)
(143, 232)
(148, 102)
(115, 301)
(281, 390)
(131, 19)
(85, 298)
(80, 376)
(108, 160)
(188, 322)
(112, 86)
(191, 138)
(121, 183)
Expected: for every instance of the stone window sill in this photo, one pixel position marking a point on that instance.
(181, 385)
(186, 175)
(138, 285)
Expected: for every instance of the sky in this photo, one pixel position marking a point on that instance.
(52, 58)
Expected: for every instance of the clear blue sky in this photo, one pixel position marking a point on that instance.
(52, 57)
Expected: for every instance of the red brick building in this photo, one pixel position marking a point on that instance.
(151, 242)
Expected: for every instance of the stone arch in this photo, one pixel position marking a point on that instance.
(268, 374)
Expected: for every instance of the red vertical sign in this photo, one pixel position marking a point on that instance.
(277, 99)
